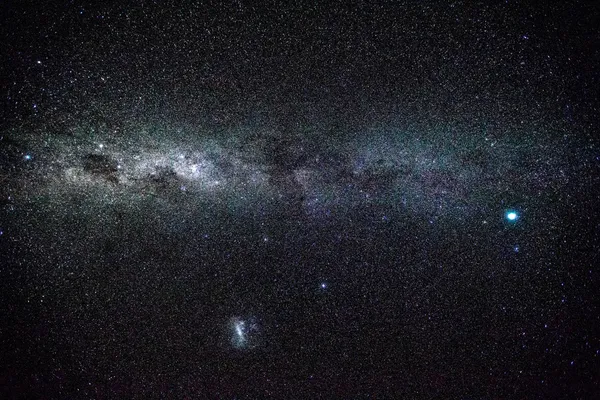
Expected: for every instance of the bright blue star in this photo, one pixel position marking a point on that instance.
(512, 215)
(27, 157)
(323, 285)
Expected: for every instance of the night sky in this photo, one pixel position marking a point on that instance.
(349, 200)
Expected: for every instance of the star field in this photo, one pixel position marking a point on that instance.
(268, 201)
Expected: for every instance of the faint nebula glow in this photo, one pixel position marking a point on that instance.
(245, 333)
(238, 339)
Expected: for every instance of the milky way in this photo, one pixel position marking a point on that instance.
(445, 172)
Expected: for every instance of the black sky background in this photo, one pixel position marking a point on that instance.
(133, 298)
